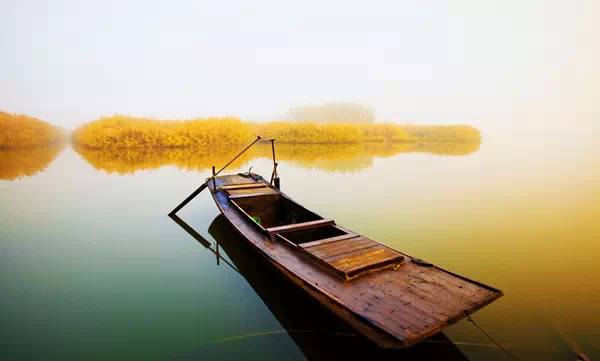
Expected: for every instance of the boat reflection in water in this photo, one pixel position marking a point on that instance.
(318, 334)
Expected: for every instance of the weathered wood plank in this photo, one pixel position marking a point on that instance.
(230, 180)
(299, 226)
(236, 180)
(250, 192)
(328, 240)
(356, 255)
(378, 262)
(244, 186)
(258, 194)
(342, 246)
(362, 258)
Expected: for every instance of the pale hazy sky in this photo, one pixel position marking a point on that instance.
(475, 62)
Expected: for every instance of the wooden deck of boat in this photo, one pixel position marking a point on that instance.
(396, 305)
(353, 256)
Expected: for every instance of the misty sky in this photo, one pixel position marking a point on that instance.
(456, 61)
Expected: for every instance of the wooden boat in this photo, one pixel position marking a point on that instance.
(326, 339)
(393, 299)
(320, 337)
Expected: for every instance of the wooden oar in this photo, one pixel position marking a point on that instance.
(189, 198)
(205, 184)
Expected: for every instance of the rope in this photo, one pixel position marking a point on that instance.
(341, 334)
(275, 332)
(460, 343)
(492, 339)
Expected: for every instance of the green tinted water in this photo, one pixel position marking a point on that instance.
(91, 266)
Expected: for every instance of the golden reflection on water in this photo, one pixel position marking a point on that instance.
(520, 216)
(527, 223)
(16, 163)
(327, 157)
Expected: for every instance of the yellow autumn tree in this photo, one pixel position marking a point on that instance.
(17, 130)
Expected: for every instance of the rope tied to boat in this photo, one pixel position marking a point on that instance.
(470, 319)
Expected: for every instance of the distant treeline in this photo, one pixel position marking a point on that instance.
(329, 133)
(17, 131)
(333, 113)
(443, 133)
(125, 144)
(130, 132)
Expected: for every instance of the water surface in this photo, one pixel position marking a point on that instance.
(91, 266)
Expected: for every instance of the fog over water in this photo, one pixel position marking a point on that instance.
(495, 65)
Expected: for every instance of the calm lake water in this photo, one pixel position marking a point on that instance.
(92, 268)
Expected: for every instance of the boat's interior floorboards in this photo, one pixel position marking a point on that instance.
(352, 256)
(411, 301)
(235, 179)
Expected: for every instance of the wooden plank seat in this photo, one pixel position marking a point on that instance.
(250, 192)
(328, 240)
(298, 226)
(243, 186)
